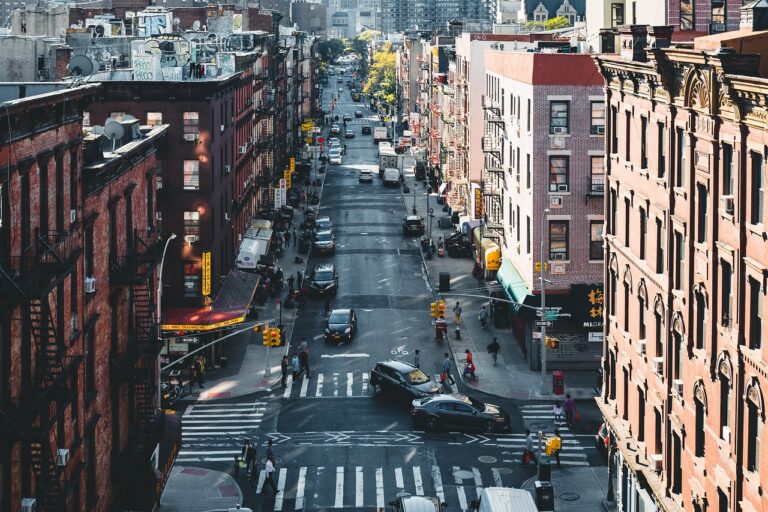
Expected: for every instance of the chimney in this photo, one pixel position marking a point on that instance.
(660, 36)
(62, 54)
(632, 42)
(92, 149)
(754, 16)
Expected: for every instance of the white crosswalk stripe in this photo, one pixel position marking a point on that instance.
(331, 385)
(368, 487)
(215, 432)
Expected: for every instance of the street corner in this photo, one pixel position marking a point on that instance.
(198, 489)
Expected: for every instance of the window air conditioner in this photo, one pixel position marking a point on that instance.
(72, 216)
(558, 256)
(600, 130)
(158, 215)
(90, 284)
(677, 387)
(190, 239)
(28, 505)
(227, 168)
(243, 150)
(556, 202)
(658, 365)
(727, 204)
(657, 462)
(563, 187)
(641, 346)
(726, 434)
(222, 128)
(62, 457)
(559, 130)
(226, 217)
(190, 137)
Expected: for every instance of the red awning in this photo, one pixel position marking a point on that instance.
(230, 306)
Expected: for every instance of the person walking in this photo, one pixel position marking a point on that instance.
(557, 446)
(457, 313)
(269, 471)
(284, 372)
(290, 284)
(483, 317)
(557, 412)
(304, 361)
(447, 370)
(528, 454)
(295, 366)
(416, 358)
(570, 407)
(470, 357)
(494, 348)
(287, 237)
(198, 369)
(248, 454)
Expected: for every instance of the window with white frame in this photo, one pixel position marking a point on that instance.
(191, 175)
(558, 173)
(558, 240)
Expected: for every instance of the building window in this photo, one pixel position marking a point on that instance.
(680, 164)
(595, 240)
(597, 124)
(754, 432)
(755, 314)
(718, 11)
(628, 136)
(702, 213)
(627, 295)
(191, 175)
(191, 124)
(191, 226)
(614, 130)
(687, 15)
(643, 231)
(701, 319)
(558, 174)
(643, 142)
(528, 235)
(597, 178)
(641, 310)
(612, 218)
(727, 170)
(662, 143)
(679, 261)
(725, 408)
(558, 117)
(614, 284)
(627, 210)
(677, 464)
(659, 246)
(726, 276)
(757, 174)
(192, 280)
(659, 334)
(528, 171)
(528, 113)
(699, 431)
(154, 118)
(558, 240)
(617, 15)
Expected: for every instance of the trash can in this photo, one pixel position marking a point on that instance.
(558, 382)
(444, 282)
(545, 496)
(545, 469)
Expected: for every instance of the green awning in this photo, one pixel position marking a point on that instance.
(510, 280)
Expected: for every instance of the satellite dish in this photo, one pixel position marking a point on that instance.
(81, 65)
(128, 117)
(114, 131)
(97, 129)
(98, 31)
(176, 22)
(196, 25)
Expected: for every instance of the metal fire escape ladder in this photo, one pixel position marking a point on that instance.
(50, 364)
(48, 488)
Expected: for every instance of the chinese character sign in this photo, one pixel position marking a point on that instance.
(206, 264)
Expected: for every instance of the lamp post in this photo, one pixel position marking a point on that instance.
(157, 314)
(543, 309)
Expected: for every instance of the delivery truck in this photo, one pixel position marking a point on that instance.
(380, 133)
(254, 245)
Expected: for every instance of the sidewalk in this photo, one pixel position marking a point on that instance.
(199, 490)
(576, 489)
(511, 378)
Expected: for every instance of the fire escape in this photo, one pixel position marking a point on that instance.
(493, 173)
(26, 281)
(135, 364)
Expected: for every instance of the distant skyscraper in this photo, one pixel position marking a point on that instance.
(400, 15)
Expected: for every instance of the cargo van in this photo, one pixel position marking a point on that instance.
(255, 244)
(504, 499)
(392, 177)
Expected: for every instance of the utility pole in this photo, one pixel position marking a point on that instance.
(543, 309)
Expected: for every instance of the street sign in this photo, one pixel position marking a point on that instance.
(541, 323)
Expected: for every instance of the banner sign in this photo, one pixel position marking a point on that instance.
(206, 264)
(478, 203)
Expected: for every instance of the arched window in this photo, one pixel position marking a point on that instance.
(755, 423)
(642, 302)
(724, 374)
(700, 301)
(700, 404)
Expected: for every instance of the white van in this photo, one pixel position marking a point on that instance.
(504, 499)
(392, 177)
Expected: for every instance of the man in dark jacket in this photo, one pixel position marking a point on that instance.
(248, 453)
(493, 349)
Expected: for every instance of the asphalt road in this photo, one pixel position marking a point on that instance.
(337, 446)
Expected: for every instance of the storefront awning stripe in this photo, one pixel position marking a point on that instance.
(512, 283)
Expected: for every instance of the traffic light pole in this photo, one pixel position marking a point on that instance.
(543, 309)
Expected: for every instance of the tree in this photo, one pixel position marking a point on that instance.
(382, 79)
(556, 23)
(331, 50)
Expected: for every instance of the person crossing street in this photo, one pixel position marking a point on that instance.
(446, 375)
(494, 348)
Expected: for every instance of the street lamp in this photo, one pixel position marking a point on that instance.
(157, 314)
(543, 308)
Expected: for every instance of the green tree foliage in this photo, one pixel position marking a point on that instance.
(331, 49)
(381, 83)
(556, 23)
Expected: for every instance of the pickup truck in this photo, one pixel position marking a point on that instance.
(380, 133)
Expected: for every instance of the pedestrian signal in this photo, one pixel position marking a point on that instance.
(553, 445)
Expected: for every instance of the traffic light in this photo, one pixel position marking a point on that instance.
(271, 337)
(257, 328)
(552, 343)
(433, 312)
(276, 340)
(441, 308)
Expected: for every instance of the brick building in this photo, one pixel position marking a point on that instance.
(77, 334)
(686, 269)
(543, 177)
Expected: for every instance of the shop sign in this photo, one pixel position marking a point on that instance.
(287, 178)
(588, 305)
(478, 203)
(190, 339)
(202, 327)
(292, 165)
(206, 264)
(176, 348)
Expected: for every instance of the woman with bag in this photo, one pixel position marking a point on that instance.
(570, 408)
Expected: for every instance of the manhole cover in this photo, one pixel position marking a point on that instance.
(463, 475)
(487, 459)
(504, 471)
(570, 496)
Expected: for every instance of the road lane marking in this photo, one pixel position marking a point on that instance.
(339, 503)
(438, 481)
(288, 388)
(280, 489)
(496, 477)
(335, 384)
(365, 383)
(478, 480)
(380, 488)
(304, 387)
(417, 481)
(399, 478)
(300, 488)
(262, 479)
(335, 356)
(359, 486)
(460, 489)
(350, 376)
(319, 390)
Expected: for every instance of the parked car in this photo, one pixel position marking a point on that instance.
(323, 223)
(458, 412)
(349, 134)
(358, 113)
(366, 130)
(458, 246)
(341, 325)
(335, 129)
(322, 243)
(324, 280)
(365, 176)
(334, 156)
(347, 118)
(413, 225)
(404, 502)
(402, 379)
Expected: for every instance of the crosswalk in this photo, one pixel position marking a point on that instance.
(370, 487)
(328, 385)
(539, 417)
(214, 432)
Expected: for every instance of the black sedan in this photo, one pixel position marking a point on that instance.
(402, 379)
(324, 280)
(366, 130)
(349, 134)
(458, 412)
(358, 114)
(341, 325)
(323, 243)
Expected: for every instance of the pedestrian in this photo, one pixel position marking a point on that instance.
(198, 376)
(557, 444)
(494, 348)
(284, 371)
(570, 408)
(446, 375)
(304, 361)
(298, 280)
(304, 346)
(470, 357)
(201, 362)
(528, 453)
(557, 411)
(269, 470)
(270, 453)
(248, 453)
(287, 237)
(416, 358)
(290, 284)
(457, 313)
(483, 317)
(295, 366)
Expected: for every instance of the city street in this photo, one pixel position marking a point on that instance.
(336, 445)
